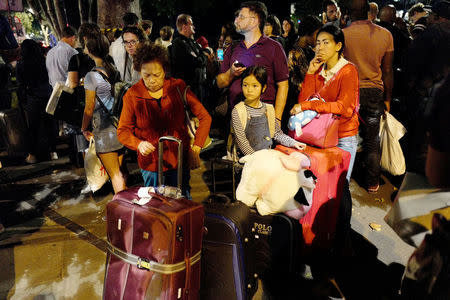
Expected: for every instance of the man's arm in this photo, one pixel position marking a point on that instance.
(226, 78)
(280, 99)
(387, 77)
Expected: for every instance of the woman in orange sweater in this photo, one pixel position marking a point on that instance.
(336, 80)
(153, 108)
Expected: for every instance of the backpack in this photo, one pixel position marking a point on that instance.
(243, 117)
(118, 90)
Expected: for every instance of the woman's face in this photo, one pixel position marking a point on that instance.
(130, 41)
(251, 88)
(268, 29)
(153, 75)
(326, 47)
(286, 26)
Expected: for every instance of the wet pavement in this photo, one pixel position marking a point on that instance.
(54, 243)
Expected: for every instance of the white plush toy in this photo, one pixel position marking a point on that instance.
(272, 179)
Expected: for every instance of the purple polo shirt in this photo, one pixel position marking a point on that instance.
(267, 53)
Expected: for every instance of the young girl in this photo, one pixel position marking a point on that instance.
(253, 122)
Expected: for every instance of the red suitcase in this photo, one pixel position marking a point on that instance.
(154, 247)
(330, 166)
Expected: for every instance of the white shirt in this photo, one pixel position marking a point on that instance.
(57, 62)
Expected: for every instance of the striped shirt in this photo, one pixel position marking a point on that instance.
(239, 131)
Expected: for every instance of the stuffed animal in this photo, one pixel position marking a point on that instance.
(276, 182)
(296, 122)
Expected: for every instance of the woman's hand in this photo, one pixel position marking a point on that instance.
(315, 64)
(194, 157)
(145, 148)
(87, 135)
(299, 146)
(297, 108)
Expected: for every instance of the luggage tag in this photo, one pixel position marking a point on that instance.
(144, 195)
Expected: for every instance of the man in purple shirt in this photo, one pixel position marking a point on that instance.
(259, 50)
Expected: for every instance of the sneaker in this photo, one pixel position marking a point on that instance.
(53, 156)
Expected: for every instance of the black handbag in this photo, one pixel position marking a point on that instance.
(70, 106)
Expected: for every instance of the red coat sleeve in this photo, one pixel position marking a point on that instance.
(347, 97)
(127, 124)
(308, 87)
(203, 116)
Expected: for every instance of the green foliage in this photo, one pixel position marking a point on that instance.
(29, 23)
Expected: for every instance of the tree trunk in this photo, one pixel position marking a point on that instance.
(110, 12)
(83, 7)
(51, 16)
(59, 17)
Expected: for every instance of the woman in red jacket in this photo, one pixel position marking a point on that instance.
(336, 80)
(153, 108)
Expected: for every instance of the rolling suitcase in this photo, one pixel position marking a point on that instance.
(228, 266)
(327, 212)
(154, 237)
(14, 132)
(240, 246)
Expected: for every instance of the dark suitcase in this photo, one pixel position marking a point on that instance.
(154, 246)
(14, 132)
(228, 268)
(241, 246)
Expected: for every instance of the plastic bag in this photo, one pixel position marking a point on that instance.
(96, 175)
(391, 131)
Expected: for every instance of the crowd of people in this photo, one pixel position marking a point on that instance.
(362, 60)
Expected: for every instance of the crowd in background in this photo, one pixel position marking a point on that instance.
(402, 67)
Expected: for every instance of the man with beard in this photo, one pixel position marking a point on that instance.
(255, 49)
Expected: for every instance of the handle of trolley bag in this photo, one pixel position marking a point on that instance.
(180, 159)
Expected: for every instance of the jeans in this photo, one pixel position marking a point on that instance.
(372, 107)
(349, 144)
(169, 178)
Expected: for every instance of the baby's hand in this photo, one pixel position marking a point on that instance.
(299, 146)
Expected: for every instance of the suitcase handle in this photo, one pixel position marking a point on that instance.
(218, 198)
(160, 159)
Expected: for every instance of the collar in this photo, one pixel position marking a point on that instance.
(328, 74)
(260, 41)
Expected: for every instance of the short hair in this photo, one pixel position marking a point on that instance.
(166, 33)
(88, 30)
(148, 52)
(275, 22)
(117, 33)
(259, 72)
(68, 32)
(309, 25)
(373, 8)
(136, 30)
(359, 10)
(416, 8)
(130, 19)
(326, 3)
(146, 24)
(336, 33)
(259, 9)
(182, 19)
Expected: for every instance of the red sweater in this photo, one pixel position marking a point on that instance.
(341, 96)
(143, 119)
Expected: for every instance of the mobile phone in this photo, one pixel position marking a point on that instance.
(220, 54)
(239, 64)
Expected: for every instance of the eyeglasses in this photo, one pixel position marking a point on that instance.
(241, 17)
(130, 43)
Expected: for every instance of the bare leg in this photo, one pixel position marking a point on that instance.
(110, 161)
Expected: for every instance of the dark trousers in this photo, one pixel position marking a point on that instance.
(372, 107)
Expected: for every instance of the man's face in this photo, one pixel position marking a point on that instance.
(245, 21)
(332, 13)
(130, 42)
(189, 28)
(73, 41)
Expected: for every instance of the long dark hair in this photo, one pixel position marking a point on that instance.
(98, 46)
(33, 61)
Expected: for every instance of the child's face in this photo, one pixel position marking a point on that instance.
(251, 88)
